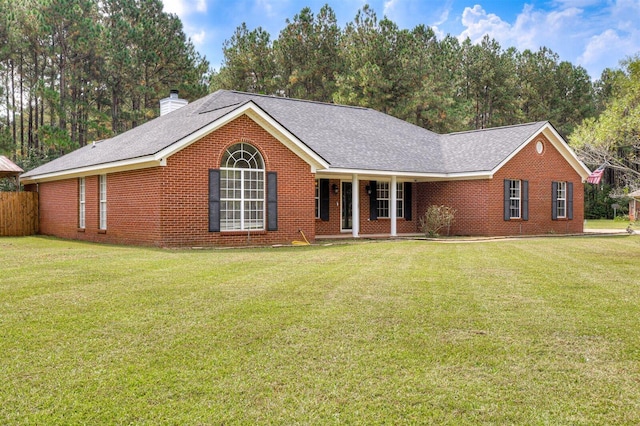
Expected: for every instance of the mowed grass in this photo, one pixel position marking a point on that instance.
(532, 331)
(609, 224)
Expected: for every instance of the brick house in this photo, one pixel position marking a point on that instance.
(236, 168)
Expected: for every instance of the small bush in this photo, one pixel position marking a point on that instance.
(436, 219)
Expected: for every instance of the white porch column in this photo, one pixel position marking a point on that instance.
(393, 207)
(355, 206)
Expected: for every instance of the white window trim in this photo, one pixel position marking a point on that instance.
(515, 199)
(399, 199)
(102, 190)
(82, 194)
(317, 198)
(561, 201)
(229, 225)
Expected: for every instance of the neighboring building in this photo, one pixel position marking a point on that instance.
(8, 168)
(236, 168)
(634, 206)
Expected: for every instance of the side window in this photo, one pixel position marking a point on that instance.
(516, 199)
(81, 203)
(103, 201)
(561, 200)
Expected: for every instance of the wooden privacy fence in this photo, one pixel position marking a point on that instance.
(18, 213)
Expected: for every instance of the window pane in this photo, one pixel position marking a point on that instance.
(230, 215)
(103, 201)
(382, 194)
(317, 199)
(242, 188)
(561, 199)
(384, 199)
(514, 199)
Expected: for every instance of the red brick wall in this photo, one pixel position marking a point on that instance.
(168, 206)
(132, 208)
(479, 203)
(185, 208)
(58, 203)
(467, 197)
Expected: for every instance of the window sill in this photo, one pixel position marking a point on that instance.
(102, 231)
(81, 230)
(251, 232)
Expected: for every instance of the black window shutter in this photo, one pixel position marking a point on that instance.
(214, 200)
(569, 200)
(554, 200)
(272, 201)
(507, 204)
(373, 200)
(324, 199)
(408, 205)
(525, 200)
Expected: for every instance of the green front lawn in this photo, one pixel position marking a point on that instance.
(608, 224)
(533, 331)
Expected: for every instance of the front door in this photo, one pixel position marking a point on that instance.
(347, 207)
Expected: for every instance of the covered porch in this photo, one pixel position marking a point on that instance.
(365, 205)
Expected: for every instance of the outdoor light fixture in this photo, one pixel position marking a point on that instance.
(335, 188)
(368, 188)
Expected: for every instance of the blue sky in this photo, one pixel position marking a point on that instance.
(595, 34)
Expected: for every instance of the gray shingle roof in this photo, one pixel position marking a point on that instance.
(346, 137)
(483, 150)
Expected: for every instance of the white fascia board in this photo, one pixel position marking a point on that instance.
(118, 166)
(563, 147)
(256, 113)
(364, 174)
(559, 143)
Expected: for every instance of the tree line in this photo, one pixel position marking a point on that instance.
(442, 84)
(74, 71)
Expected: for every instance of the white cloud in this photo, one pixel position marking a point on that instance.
(174, 6)
(607, 48)
(183, 8)
(592, 33)
(199, 38)
(389, 7)
(478, 23)
(444, 13)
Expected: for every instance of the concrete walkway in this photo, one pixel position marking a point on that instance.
(609, 231)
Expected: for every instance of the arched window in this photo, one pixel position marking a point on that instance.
(242, 201)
